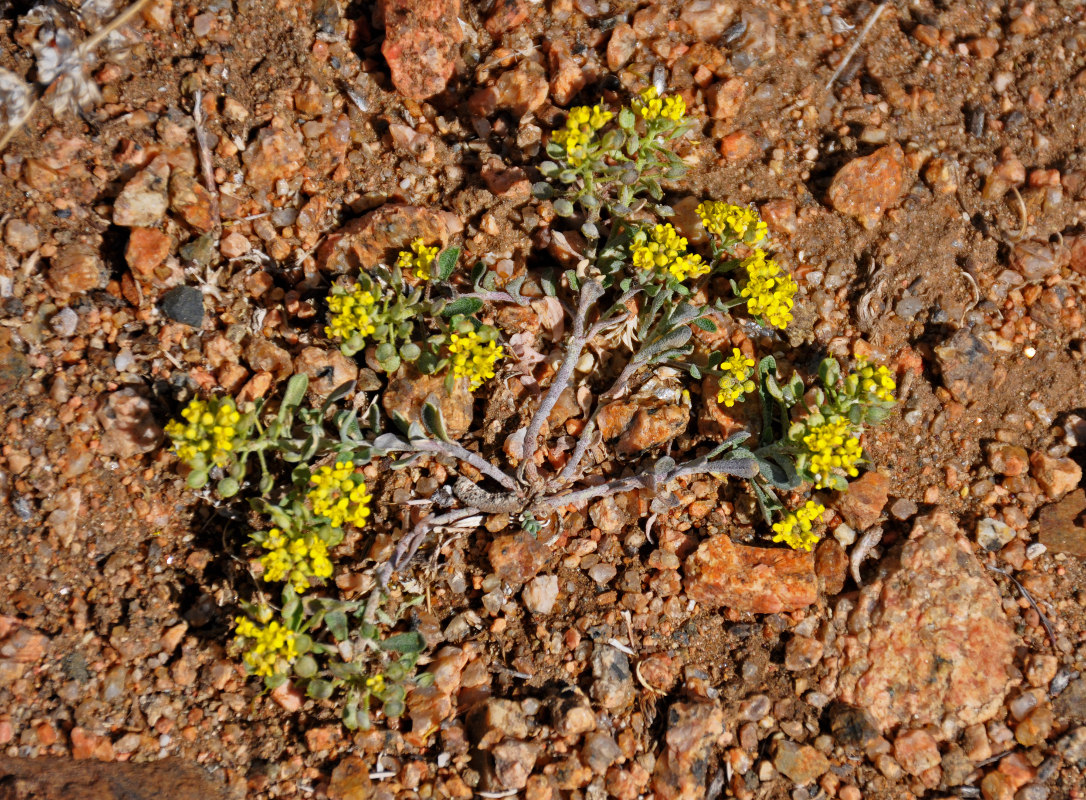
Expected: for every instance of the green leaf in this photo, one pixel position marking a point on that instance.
(716, 358)
(695, 373)
(228, 487)
(336, 395)
(350, 717)
(574, 281)
(295, 392)
(626, 119)
(463, 305)
(876, 414)
(567, 176)
(305, 667)
(319, 689)
(829, 372)
(548, 169)
(434, 421)
(590, 230)
(273, 682)
(197, 479)
(446, 262)
(337, 625)
(477, 273)
(706, 324)
(410, 352)
(541, 190)
(408, 643)
(563, 208)
(550, 286)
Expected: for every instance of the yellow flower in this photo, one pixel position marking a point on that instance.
(209, 434)
(795, 529)
(267, 646)
(473, 358)
(662, 248)
(580, 128)
(876, 381)
(769, 290)
(295, 560)
(339, 495)
(419, 259)
(832, 446)
(735, 381)
(649, 105)
(732, 222)
(351, 313)
(376, 683)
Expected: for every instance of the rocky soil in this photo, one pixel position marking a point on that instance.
(928, 191)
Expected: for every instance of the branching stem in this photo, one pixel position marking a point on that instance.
(459, 451)
(739, 467)
(591, 291)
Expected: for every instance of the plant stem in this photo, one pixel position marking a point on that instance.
(591, 291)
(739, 467)
(459, 451)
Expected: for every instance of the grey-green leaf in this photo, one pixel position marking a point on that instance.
(463, 305)
(446, 262)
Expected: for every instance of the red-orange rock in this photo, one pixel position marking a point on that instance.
(378, 236)
(866, 187)
(507, 14)
(275, 154)
(682, 769)
(147, 248)
(725, 98)
(421, 40)
(759, 580)
(953, 667)
(90, 745)
(738, 146)
(191, 200)
(916, 751)
(862, 504)
(350, 780)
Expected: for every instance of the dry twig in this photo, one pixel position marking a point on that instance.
(855, 45)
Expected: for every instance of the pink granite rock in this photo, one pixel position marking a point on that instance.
(933, 645)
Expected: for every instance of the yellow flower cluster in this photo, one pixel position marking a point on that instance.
(662, 248)
(795, 529)
(376, 683)
(351, 312)
(735, 381)
(581, 125)
(769, 290)
(474, 359)
(418, 258)
(267, 646)
(210, 433)
(733, 222)
(876, 381)
(340, 495)
(832, 445)
(650, 105)
(295, 560)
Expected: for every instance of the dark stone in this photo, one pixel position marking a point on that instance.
(184, 304)
(968, 366)
(613, 687)
(851, 726)
(1070, 704)
(14, 368)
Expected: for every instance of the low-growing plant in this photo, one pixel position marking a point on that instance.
(639, 290)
